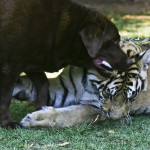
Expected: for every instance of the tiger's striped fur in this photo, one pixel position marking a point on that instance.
(111, 96)
(125, 86)
(138, 79)
(76, 86)
(72, 87)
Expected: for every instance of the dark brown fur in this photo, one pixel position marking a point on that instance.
(46, 35)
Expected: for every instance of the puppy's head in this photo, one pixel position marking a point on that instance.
(101, 39)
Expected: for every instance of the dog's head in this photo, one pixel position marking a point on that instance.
(101, 39)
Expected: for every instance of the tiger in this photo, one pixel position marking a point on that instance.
(140, 103)
(126, 85)
(79, 95)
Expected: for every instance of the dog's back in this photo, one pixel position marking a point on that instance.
(38, 31)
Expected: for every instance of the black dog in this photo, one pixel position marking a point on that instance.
(46, 35)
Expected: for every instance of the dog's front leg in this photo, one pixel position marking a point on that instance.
(60, 117)
(7, 82)
(41, 84)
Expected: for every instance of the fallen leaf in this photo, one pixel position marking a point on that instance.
(63, 144)
(111, 132)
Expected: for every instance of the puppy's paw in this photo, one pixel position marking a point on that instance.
(27, 121)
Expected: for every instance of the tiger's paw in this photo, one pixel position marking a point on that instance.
(41, 118)
(27, 121)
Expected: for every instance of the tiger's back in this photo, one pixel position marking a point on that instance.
(72, 87)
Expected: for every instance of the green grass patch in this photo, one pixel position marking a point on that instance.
(132, 25)
(108, 135)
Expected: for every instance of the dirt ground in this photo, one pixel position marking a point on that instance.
(122, 6)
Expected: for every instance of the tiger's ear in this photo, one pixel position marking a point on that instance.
(139, 56)
(146, 57)
(92, 38)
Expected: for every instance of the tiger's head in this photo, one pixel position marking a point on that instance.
(119, 92)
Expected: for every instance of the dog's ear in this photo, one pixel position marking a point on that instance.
(92, 37)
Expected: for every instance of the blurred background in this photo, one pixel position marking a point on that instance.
(132, 17)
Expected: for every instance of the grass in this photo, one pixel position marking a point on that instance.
(109, 135)
(132, 25)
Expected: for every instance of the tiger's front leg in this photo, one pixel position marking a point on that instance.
(60, 117)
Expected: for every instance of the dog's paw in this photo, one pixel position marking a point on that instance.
(11, 125)
(27, 121)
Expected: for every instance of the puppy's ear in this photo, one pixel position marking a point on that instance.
(92, 37)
